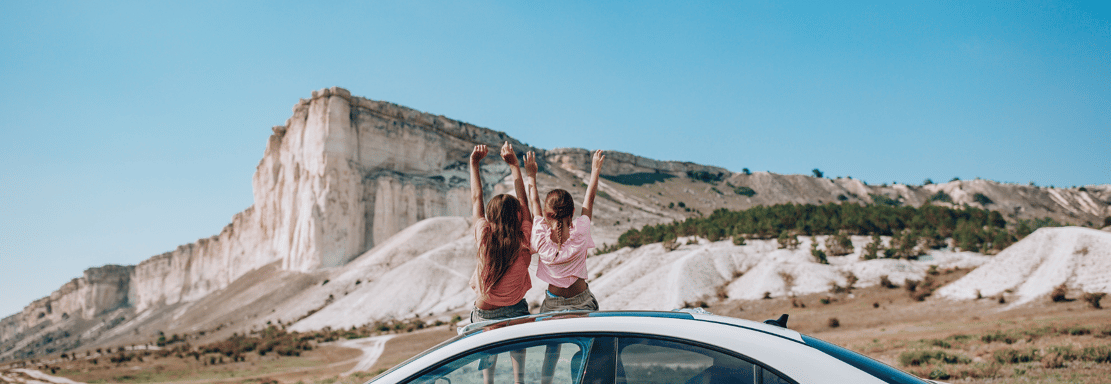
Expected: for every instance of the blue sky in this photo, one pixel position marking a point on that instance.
(129, 128)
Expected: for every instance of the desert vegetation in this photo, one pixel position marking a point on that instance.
(1007, 354)
(913, 230)
(269, 351)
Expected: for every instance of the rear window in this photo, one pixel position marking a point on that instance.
(864, 363)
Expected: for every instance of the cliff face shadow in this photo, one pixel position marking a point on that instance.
(638, 179)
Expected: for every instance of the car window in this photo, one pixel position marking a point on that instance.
(544, 361)
(656, 361)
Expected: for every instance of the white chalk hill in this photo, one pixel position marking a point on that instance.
(1078, 257)
(425, 269)
(651, 277)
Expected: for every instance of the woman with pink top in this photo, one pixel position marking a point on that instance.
(502, 234)
(562, 243)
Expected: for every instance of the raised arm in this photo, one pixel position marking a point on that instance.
(510, 158)
(592, 188)
(478, 211)
(533, 194)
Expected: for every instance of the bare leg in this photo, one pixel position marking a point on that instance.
(547, 370)
(518, 357)
(488, 373)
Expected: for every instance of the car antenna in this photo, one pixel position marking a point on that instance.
(780, 322)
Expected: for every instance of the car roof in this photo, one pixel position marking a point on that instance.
(648, 322)
(694, 315)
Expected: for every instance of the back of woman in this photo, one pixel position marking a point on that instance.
(501, 233)
(501, 277)
(562, 242)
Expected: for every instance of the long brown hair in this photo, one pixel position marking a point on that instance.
(500, 244)
(559, 206)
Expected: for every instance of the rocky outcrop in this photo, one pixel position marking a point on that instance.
(98, 291)
(620, 163)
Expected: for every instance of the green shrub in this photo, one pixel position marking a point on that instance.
(1064, 351)
(884, 200)
(982, 199)
(1005, 337)
(975, 227)
(1077, 330)
(705, 176)
(941, 196)
(939, 374)
(1058, 294)
(744, 191)
(1099, 354)
(886, 282)
(1093, 299)
(872, 249)
(839, 244)
(1015, 356)
(916, 358)
(938, 343)
(818, 254)
(787, 241)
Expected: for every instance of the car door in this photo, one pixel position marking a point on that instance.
(544, 360)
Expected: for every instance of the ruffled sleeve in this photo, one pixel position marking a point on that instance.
(581, 232)
(536, 236)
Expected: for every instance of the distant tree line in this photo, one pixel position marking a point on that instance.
(913, 229)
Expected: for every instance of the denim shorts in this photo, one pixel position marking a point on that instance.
(509, 312)
(584, 301)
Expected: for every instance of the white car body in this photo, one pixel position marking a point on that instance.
(772, 347)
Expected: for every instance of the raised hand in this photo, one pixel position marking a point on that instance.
(530, 163)
(597, 160)
(507, 154)
(479, 153)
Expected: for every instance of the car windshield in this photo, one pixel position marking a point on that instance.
(875, 368)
